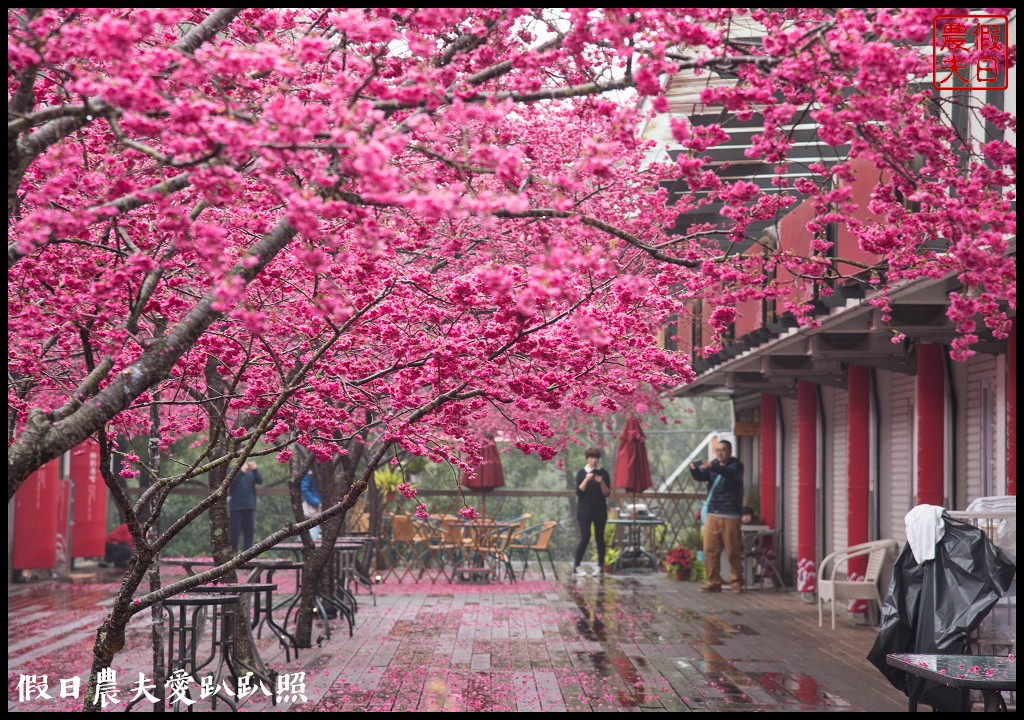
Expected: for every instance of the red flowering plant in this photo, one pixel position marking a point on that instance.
(677, 559)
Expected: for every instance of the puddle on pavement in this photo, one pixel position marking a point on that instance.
(796, 688)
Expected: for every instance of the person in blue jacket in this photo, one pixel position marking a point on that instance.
(242, 506)
(311, 503)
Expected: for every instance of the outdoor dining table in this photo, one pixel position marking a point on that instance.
(187, 615)
(263, 608)
(332, 591)
(635, 552)
(987, 673)
(271, 565)
(370, 548)
(759, 546)
(258, 667)
(483, 535)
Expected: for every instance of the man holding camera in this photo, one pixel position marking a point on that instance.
(242, 506)
(724, 476)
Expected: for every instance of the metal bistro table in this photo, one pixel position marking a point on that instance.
(759, 545)
(186, 621)
(256, 569)
(987, 673)
(263, 609)
(236, 664)
(635, 555)
(485, 538)
(329, 597)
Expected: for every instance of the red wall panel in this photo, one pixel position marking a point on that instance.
(89, 535)
(35, 519)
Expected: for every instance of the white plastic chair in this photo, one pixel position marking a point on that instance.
(880, 557)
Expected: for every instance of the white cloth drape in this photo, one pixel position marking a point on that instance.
(924, 529)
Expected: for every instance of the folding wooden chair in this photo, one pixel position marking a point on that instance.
(405, 548)
(538, 539)
(496, 551)
(433, 550)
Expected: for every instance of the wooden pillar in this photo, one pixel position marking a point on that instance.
(858, 465)
(931, 425)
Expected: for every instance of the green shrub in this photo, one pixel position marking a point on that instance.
(698, 573)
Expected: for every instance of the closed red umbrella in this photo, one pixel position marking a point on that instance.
(633, 473)
(489, 474)
(632, 469)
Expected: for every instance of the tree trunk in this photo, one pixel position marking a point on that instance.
(110, 636)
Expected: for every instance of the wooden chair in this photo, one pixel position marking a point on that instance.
(537, 539)
(406, 547)
(456, 543)
(880, 555)
(495, 547)
(361, 524)
(435, 549)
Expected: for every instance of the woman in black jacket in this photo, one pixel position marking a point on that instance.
(593, 486)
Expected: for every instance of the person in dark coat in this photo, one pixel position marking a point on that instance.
(722, 531)
(593, 486)
(242, 506)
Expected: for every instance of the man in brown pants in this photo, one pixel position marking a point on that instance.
(724, 476)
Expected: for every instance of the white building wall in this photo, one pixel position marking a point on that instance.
(979, 403)
(791, 463)
(897, 454)
(837, 477)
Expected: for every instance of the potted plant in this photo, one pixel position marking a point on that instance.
(387, 481)
(611, 554)
(698, 573)
(678, 563)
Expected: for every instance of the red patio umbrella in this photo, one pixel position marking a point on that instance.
(632, 469)
(633, 473)
(489, 474)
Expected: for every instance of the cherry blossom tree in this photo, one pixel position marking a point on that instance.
(402, 226)
(169, 166)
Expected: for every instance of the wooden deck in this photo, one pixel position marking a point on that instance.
(629, 642)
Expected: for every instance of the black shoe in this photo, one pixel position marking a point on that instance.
(104, 564)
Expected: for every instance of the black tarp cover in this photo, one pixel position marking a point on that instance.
(933, 607)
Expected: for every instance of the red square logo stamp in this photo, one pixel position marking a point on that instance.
(969, 52)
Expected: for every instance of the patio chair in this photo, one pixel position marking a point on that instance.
(538, 539)
(436, 549)
(522, 521)
(494, 547)
(408, 547)
(880, 555)
(361, 524)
